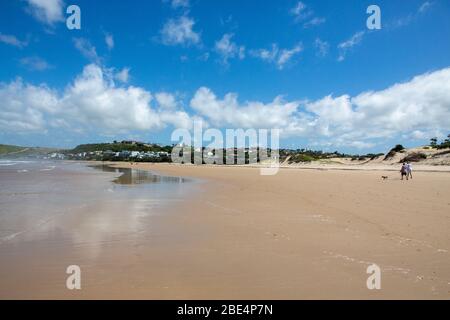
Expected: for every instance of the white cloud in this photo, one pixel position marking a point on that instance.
(92, 102)
(46, 11)
(348, 44)
(109, 40)
(409, 18)
(228, 112)
(280, 57)
(287, 54)
(419, 105)
(166, 100)
(423, 102)
(35, 63)
(322, 47)
(300, 11)
(177, 119)
(93, 99)
(426, 134)
(314, 22)
(354, 40)
(180, 32)
(24, 106)
(180, 4)
(241, 53)
(123, 75)
(227, 49)
(86, 49)
(12, 40)
(203, 56)
(424, 7)
(265, 54)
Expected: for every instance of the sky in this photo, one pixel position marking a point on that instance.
(141, 69)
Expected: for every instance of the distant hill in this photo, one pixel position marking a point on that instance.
(118, 146)
(5, 149)
(10, 151)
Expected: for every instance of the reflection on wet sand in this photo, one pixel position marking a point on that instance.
(76, 215)
(133, 176)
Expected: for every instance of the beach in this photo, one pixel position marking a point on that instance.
(57, 214)
(311, 234)
(300, 234)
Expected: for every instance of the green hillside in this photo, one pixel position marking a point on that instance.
(5, 149)
(118, 146)
(9, 151)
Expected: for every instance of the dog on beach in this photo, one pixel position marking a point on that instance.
(384, 177)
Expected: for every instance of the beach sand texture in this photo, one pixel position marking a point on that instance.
(300, 234)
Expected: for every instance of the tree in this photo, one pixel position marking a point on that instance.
(433, 142)
(398, 148)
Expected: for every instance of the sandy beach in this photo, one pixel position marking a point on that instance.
(300, 234)
(304, 234)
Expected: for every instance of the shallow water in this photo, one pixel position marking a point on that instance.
(133, 176)
(36, 196)
(57, 214)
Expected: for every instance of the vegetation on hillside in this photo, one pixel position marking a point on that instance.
(443, 145)
(10, 151)
(304, 155)
(393, 151)
(118, 147)
(5, 149)
(414, 157)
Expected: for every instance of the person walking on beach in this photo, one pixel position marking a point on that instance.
(404, 171)
(408, 170)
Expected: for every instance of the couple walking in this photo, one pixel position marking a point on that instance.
(406, 170)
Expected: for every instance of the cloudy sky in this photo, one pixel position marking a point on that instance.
(139, 70)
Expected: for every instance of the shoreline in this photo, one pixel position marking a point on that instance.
(325, 167)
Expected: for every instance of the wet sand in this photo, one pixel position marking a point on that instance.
(74, 215)
(301, 234)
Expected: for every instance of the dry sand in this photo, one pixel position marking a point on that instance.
(301, 234)
(305, 234)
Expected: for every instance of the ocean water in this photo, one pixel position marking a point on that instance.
(79, 203)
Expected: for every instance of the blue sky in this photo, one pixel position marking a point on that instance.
(140, 69)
